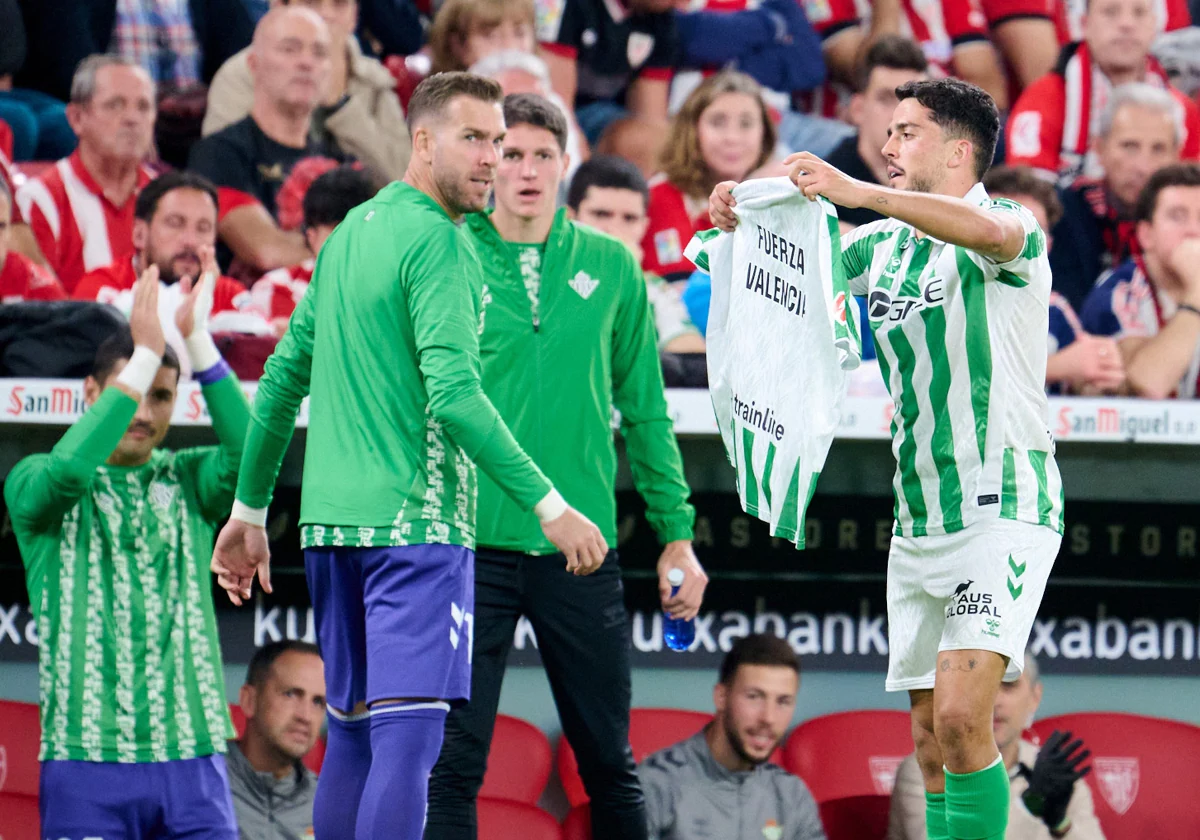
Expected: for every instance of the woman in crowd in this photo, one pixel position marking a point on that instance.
(466, 31)
(723, 132)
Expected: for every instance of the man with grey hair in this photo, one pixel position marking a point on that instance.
(251, 160)
(517, 71)
(1140, 131)
(80, 212)
(1049, 797)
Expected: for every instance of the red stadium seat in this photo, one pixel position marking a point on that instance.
(1145, 772)
(239, 718)
(849, 760)
(519, 762)
(849, 753)
(312, 759)
(578, 824)
(501, 819)
(20, 734)
(856, 817)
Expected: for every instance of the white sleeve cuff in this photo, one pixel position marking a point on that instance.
(249, 515)
(202, 350)
(552, 506)
(140, 370)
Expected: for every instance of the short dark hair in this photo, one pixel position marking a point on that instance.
(264, 658)
(180, 179)
(537, 111)
(963, 110)
(758, 649)
(118, 347)
(1173, 175)
(892, 52)
(437, 91)
(1021, 180)
(335, 193)
(607, 172)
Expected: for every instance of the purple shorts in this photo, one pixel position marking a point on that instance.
(187, 798)
(393, 623)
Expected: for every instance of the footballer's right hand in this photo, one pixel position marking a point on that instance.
(720, 206)
(241, 553)
(579, 539)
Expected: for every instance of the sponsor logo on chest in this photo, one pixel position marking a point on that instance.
(882, 306)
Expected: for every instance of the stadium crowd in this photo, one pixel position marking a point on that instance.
(163, 133)
(100, 100)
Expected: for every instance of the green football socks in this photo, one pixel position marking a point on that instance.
(935, 816)
(977, 803)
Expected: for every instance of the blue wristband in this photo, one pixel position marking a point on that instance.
(213, 374)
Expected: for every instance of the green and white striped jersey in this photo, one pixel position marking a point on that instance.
(116, 562)
(961, 345)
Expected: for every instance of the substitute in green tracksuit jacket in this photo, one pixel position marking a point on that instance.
(555, 365)
(566, 335)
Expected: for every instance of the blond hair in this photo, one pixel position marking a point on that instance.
(457, 19)
(681, 160)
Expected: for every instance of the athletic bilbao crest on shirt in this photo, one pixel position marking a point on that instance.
(667, 247)
(883, 772)
(584, 284)
(639, 48)
(1118, 781)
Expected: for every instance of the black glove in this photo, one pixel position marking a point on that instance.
(1053, 777)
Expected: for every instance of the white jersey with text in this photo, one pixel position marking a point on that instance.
(779, 343)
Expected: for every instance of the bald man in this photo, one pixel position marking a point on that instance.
(250, 161)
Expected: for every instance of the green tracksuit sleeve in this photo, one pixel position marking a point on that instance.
(42, 488)
(283, 386)
(214, 470)
(445, 323)
(646, 426)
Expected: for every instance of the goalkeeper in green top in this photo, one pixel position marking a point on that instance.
(386, 340)
(566, 335)
(116, 535)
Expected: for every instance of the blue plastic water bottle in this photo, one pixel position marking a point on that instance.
(677, 633)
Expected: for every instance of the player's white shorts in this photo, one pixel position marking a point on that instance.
(976, 589)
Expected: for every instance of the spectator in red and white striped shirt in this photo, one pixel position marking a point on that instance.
(81, 211)
(327, 201)
(20, 277)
